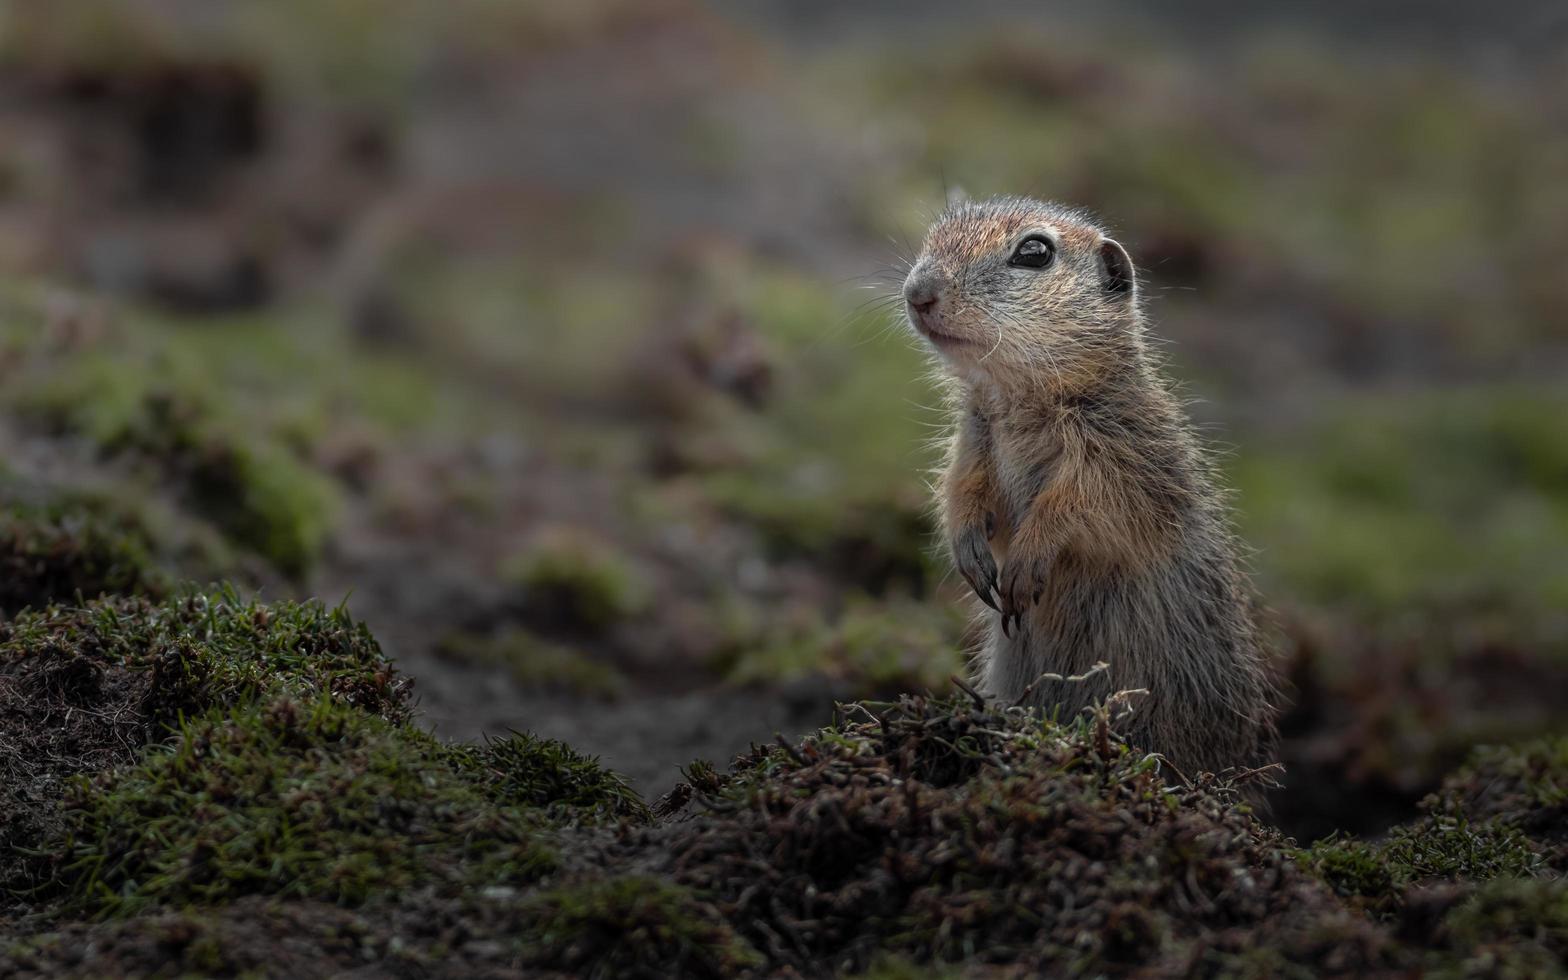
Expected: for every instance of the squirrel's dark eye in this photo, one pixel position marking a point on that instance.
(1034, 252)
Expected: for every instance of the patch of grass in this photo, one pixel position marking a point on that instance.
(537, 663)
(872, 649)
(303, 798)
(526, 771)
(82, 689)
(1434, 501)
(632, 926)
(879, 543)
(577, 579)
(201, 651)
(1524, 787)
(1508, 928)
(57, 553)
(258, 492)
(1438, 848)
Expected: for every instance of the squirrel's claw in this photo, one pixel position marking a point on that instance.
(975, 563)
(1022, 585)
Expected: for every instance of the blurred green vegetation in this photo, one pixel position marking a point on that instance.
(255, 489)
(535, 663)
(1397, 188)
(1415, 500)
(71, 548)
(366, 53)
(578, 579)
(872, 649)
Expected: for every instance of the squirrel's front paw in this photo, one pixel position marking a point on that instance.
(972, 555)
(1022, 584)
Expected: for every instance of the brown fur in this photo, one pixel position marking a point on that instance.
(1076, 498)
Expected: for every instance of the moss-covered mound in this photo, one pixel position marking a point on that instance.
(251, 486)
(56, 554)
(1508, 928)
(191, 783)
(1387, 876)
(946, 829)
(522, 770)
(1524, 788)
(298, 798)
(206, 750)
(82, 689)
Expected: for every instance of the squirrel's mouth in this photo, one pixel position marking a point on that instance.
(937, 337)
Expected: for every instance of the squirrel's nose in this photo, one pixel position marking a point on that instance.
(922, 293)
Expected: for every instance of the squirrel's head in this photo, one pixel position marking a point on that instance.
(1018, 290)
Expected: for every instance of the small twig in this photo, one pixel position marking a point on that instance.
(1261, 773)
(1099, 667)
(1168, 764)
(978, 698)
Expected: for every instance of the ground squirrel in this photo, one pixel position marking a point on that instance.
(1076, 500)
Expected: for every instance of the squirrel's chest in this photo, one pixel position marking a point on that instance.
(1026, 459)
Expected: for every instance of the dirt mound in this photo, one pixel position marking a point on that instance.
(55, 554)
(83, 689)
(953, 830)
(195, 781)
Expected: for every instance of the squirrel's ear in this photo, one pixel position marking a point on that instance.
(1116, 273)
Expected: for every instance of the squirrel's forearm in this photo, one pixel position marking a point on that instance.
(969, 484)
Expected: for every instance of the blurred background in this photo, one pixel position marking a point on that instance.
(556, 339)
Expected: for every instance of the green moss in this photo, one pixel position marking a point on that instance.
(1354, 867)
(57, 553)
(305, 798)
(253, 488)
(632, 926)
(291, 770)
(83, 689)
(878, 541)
(265, 501)
(524, 770)
(203, 651)
(1351, 514)
(871, 649)
(577, 579)
(1524, 787)
(1509, 928)
(537, 663)
(1436, 848)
